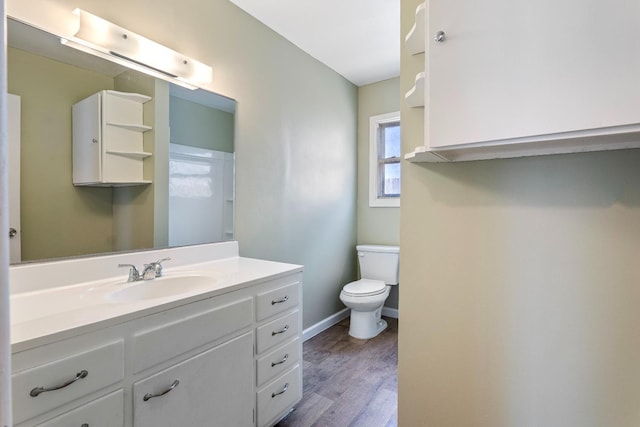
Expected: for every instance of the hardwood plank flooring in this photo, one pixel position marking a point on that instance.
(348, 382)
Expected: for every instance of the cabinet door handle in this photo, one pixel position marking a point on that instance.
(171, 387)
(286, 386)
(36, 391)
(85, 425)
(439, 37)
(280, 301)
(281, 331)
(281, 361)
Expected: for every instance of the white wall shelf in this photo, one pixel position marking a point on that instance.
(118, 184)
(132, 154)
(570, 142)
(415, 39)
(415, 96)
(131, 126)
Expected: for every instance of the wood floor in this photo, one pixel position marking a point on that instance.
(347, 381)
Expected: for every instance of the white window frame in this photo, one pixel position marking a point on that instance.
(374, 200)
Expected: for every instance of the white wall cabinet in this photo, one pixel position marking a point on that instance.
(108, 139)
(523, 78)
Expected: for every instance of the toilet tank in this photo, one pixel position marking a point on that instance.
(379, 262)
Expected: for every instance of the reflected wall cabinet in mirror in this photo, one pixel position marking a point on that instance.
(107, 139)
(100, 214)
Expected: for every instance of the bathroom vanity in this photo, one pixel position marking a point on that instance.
(215, 341)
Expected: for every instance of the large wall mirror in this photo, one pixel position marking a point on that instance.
(190, 197)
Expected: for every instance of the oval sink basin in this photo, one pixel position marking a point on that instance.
(161, 287)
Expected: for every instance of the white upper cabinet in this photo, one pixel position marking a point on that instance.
(547, 75)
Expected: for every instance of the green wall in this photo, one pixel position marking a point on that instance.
(58, 219)
(379, 226)
(520, 286)
(200, 126)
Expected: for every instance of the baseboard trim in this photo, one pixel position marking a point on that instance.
(325, 324)
(390, 312)
(338, 317)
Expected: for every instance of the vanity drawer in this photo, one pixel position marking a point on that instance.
(156, 345)
(107, 411)
(103, 366)
(277, 300)
(279, 395)
(277, 361)
(277, 331)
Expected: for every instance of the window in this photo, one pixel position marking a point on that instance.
(384, 160)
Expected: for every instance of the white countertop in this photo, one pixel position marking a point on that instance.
(52, 313)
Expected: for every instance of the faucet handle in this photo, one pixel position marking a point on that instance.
(158, 266)
(134, 275)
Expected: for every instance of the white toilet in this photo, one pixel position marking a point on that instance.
(365, 297)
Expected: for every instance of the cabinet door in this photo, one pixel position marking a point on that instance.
(516, 69)
(215, 388)
(87, 141)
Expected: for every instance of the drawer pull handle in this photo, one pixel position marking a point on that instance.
(85, 425)
(281, 361)
(281, 331)
(280, 301)
(171, 387)
(36, 391)
(286, 386)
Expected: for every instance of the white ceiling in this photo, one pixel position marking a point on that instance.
(359, 39)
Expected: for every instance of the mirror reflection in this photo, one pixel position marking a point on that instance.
(188, 161)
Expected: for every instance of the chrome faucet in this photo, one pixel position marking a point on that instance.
(149, 272)
(134, 275)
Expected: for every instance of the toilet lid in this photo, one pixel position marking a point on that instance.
(365, 287)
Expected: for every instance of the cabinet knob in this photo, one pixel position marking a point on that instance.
(94, 140)
(439, 37)
(12, 232)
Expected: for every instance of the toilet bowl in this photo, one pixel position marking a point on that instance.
(366, 297)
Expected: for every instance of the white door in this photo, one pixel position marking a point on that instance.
(14, 178)
(510, 69)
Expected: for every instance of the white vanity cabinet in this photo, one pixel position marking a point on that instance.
(108, 139)
(233, 359)
(529, 78)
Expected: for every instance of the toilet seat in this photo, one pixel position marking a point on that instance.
(364, 288)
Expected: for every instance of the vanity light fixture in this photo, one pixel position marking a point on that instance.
(109, 41)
